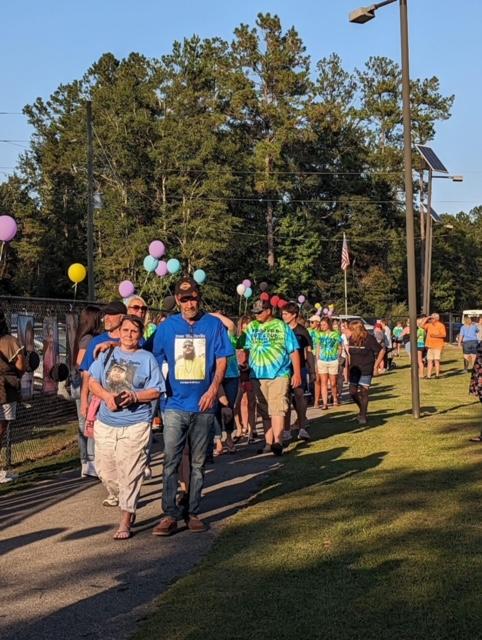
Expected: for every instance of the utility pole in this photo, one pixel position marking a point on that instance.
(90, 204)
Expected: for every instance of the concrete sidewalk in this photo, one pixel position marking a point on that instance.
(63, 576)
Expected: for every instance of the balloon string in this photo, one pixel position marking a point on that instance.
(1, 251)
(75, 291)
(239, 308)
(144, 284)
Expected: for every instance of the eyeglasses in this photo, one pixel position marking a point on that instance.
(137, 307)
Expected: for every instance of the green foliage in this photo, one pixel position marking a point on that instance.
(243, 161)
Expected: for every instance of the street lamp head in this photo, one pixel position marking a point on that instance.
(457, 178)
(362, 15)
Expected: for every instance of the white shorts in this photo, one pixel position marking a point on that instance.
(330, 368)
(8, 411)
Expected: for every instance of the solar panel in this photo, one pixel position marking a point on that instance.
(431, 158)
(434, 215)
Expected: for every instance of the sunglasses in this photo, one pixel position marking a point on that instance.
(137, 307)
(188, 298)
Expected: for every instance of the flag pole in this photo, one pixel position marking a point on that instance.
(346, 295)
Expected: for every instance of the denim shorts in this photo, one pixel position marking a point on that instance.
(470, 347)
(359, 379)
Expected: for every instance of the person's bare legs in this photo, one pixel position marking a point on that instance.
(239, 409)
(437, 368)
(277, 426)
(268, 432)
(354, 392)
(429, 368)
(324, 389)
(251, 412)
(317, 389)
(421, 368)
(334, 388)
(124, 530)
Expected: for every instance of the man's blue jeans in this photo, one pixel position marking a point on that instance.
(181, 428)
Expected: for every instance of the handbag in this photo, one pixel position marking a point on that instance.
(94, 406)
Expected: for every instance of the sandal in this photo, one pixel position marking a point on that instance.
(324, 407)
(476, 439)
(123, 534)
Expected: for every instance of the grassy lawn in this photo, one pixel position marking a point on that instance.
(365, 533)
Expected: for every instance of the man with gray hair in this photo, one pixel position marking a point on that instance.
(435, 342)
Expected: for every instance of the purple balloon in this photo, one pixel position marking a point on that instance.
(247, 283)
(8, 228)
(161, 269)
(157, 249)
(301, 299)
(126, 288)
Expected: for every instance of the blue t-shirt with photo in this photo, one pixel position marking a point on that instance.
(190, 351)
(127, 371)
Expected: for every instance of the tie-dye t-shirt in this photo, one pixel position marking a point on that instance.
(314, 335)
(329, 342)
(270, 345)
(232, 370)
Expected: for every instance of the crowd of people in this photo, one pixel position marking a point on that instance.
(206, 380)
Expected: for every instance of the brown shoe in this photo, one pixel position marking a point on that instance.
(196, 524)
(166, 527)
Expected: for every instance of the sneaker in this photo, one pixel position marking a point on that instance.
(277, 449)
(111, 501)
(6, 476)
(265, 449)
(147, 473)
(166, 527)
(287, 435)
(83, 470)
(304, 435)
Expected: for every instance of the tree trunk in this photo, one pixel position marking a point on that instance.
(269, 219)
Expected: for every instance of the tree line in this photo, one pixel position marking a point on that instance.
(247, 160)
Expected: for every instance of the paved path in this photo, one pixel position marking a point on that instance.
(62, 575)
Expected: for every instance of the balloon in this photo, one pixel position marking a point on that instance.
(157, 249)
(274, 300)
(330, 313)
(331, 307)
(173, 265)
(8, 228)
(161, 269)
(301, 299)
(247, 283)
(263, 286)
(77, 272)
(264, 296)
(126, 288)
(282, 303)
(169, 303)
(199, 276)
(248, 292)
(240, 289)
(150, 264)
(317, 305)
(325, 311)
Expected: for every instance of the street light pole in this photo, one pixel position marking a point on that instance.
(90, 204)
(428, 247)
(407, 161)
(362, 15)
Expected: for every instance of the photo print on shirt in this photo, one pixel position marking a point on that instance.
(120, 375)
(190, 357)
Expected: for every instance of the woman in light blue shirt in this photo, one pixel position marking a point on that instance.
(468, 340)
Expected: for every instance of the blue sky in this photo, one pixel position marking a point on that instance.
(50, 42)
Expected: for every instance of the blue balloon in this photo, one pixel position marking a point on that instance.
(173, 265)
(199, 276)
(150, 264)
(248, 292)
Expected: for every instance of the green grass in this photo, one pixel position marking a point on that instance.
(365, 533)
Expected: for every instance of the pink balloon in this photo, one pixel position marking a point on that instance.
(8, 228)
(157, 249)
(126, 288)
(247, 283)
(301, 299)
(161, 269)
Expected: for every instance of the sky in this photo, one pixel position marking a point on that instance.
(44, 44)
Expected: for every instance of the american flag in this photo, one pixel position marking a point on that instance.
(345, 256)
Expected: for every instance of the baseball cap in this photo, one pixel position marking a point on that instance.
(315, 318)
(187, 287)
(261, 305)
(114, 308)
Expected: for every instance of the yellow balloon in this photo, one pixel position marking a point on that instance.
(77, 272)
(317, 305)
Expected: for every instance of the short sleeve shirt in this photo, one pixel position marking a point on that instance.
(270, 345)
(126, 371)
(232, 370)
(304, 342)
(89, 354)
(363, 357)
(329, 342)
(469, 332)
(191, 351)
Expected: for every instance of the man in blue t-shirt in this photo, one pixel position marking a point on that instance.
(195, 346)
(113, 312)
